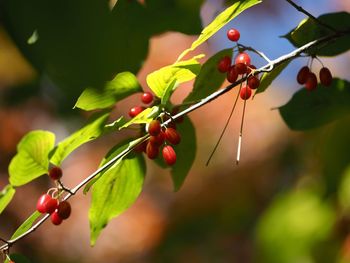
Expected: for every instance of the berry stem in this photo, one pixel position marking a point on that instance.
(241, 134)
(223, 131)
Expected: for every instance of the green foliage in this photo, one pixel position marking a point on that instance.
(145, 116)
(6, 196)
(85, 52)
(91, 131)
(344, 191)
(308, 110)
(219, 22)
(185, 152)
(164, 81)
(31, 160)
(309, 30)
(122, 86)
(292, 226)
(268, 77)
(209, 78)
(18, 259)
(115, 191)
(26, 225)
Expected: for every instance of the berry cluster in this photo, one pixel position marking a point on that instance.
(146, 98)
(309, 79)
(241, 66)
(51, 204)
(161, 137)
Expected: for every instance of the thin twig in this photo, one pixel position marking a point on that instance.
(302, 10)
(266, 68)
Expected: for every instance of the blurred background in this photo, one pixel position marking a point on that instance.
(287, 201)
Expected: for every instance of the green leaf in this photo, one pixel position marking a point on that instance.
(220, 21)
(114, 126)
(268, 77)
(18, 259)
(165, 80)
(209, 78)
(309, 30)
(293, 224)
(115, 191)
(145, 116)
(31, 160)
(122, 86)
(185, 153)
(308, 110)
(91, 131)
(6, 196)
(26, 225)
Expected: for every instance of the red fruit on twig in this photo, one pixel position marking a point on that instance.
(134, 111)
(154, 128)
(55, 218)
(172, 136)
(326, 77)
(253, 82)
(169, 155)
(245, 93)
(224, 64)
(55, 173)
(243, 58)
(64, 210)
(147, 97)
(311, 81)
(233, 34)
(152, 150)
(303, 75)
(43, 199)
(51, 205)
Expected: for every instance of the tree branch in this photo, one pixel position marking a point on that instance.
(302, 10)
(266, 68)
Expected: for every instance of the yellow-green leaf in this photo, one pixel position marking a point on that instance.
(220, 21)
(6, 196)
(32, 158)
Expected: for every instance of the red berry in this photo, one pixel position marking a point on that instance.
(172, 125)
(157, 140)
(56, 219)
(224, 64)
(311, 81)
(303, 74)
(147, 97)
(232, 74)
(169, 155)
(326, 77)
(253, 82)
(64, 210)
(55, 173)
(134, 111)
(152, 150)
(245, 93)
(233, 34)
(172, 136)
(43, 199)
(243, 58)
(241, 68)
(51, 205)
(154, 128)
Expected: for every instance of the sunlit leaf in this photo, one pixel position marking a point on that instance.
(165, 80)
(91, 131)
(145, 116)
(31, 160)
(307, 110)
(309, 30)
(268, 77)
(6, 196)
(26, 225)
(220, 21)
(209, 78)
(293, 224)
(123, 85)
(115, 191)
